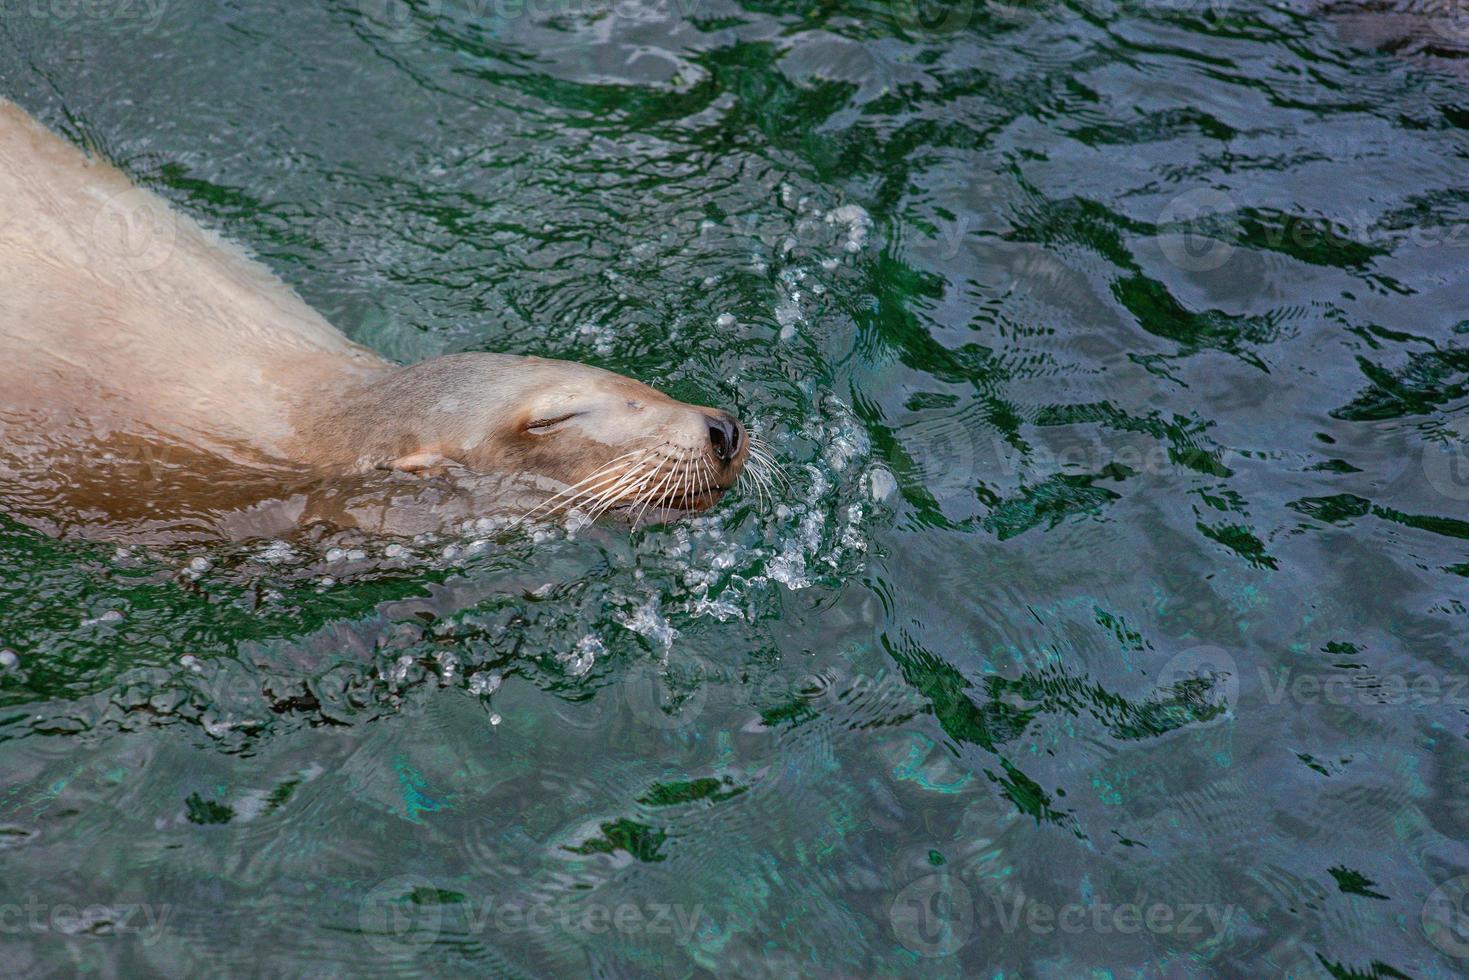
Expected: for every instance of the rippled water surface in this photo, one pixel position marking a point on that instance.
(1113, 616)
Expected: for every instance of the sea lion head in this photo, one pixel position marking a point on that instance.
(601, 441)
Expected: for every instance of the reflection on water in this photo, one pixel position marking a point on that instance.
(1111, 615)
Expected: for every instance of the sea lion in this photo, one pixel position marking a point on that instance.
(153, 375)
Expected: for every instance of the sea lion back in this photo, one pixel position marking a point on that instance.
(110, 296)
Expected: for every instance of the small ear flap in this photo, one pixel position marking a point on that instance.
(424, 463)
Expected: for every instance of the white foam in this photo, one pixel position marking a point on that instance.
(580, 660)
(275, 553)
(811, 536)
(602, 337)
(881, 483)
(485, 684)
(856, 222)
(398, 673)
(648, 621)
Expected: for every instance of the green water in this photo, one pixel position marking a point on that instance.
(1113, 620)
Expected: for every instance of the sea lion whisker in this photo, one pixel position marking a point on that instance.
(772, 469)
(630, 486)
(689, 486)
(676, 489)
(603, 469)
(767, 488)
(695, 487)
(764, 493)
(708, 479)
(610, 496)
(660, 493)
(576, 488)
(687, 489)
(594, 495)
(761, 450)
(644, 497)
(680, 490)
(590, 486)
(767, 473)
(602, 483)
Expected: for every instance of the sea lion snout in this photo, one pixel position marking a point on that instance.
(726, 436)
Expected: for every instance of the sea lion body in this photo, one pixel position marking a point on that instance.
(130, 335)
(117, 309)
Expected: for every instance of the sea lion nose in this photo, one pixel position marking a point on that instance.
(724, 436)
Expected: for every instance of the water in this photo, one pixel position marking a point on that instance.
(1113, 617)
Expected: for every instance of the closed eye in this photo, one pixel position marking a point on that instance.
(540, 426)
